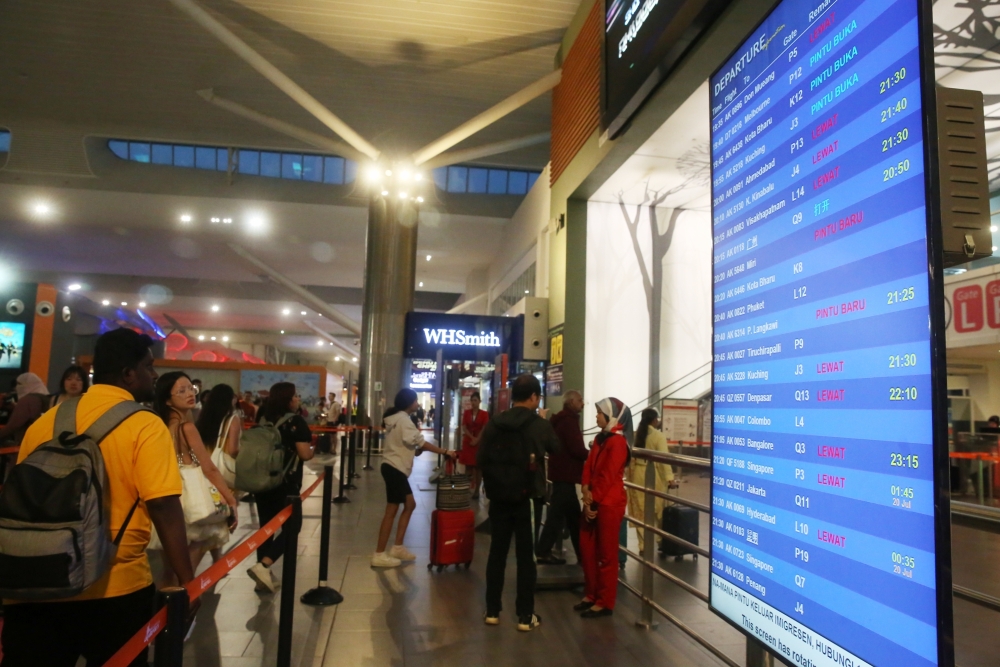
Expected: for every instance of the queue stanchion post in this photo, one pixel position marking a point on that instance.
(356, 435)
(323, 595)
(169, 647)
(369, 441)
(341, 498)
(286, 614)
(349, 480)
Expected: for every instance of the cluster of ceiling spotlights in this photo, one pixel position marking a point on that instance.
(399, 181)
(253, 223)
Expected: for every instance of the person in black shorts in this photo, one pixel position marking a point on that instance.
(402, 442)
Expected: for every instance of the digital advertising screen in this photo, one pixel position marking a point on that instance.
(11, 344)
(643, 41)
(826, 519)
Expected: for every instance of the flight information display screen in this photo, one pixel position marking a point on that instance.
(823, 522)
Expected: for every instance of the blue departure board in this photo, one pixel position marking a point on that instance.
(824, 539)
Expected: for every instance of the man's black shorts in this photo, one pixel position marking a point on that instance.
(397, 487)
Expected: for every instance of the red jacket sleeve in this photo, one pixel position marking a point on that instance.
(607, 486)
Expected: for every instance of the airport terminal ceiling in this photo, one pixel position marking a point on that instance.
(75, 74)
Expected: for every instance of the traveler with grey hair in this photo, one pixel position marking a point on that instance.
(565, 471)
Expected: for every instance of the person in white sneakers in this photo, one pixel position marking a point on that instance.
(402, 442)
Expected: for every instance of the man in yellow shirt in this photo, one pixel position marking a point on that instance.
(140, 462)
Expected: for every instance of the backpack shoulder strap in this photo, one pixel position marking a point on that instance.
(284, 419)
(66, 417)
(111, 419)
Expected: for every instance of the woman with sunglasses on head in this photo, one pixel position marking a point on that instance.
(175, 398)
(604, 508)
(282, 410)
(73, 384)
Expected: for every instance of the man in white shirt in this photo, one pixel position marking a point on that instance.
(402, 443)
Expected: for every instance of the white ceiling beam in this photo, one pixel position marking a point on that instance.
(302, 294)
(317, 141)
(467, 304)
(336, 343)
(488, 117)
(276, 76)
(486, 150)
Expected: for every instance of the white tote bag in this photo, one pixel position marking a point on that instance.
(201, 501)
(223, 461)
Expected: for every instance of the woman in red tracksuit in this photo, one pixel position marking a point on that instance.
(604, 502)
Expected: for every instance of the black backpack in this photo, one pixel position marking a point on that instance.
(507, 470)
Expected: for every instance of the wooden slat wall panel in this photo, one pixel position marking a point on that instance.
(576, 101)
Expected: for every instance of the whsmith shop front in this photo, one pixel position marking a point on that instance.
(478, 354)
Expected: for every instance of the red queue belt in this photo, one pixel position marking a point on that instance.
(127, 653)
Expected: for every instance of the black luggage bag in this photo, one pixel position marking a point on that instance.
(682, 522)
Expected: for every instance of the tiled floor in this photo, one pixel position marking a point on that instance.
(410, 617)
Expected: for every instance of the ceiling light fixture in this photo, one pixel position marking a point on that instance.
(124, 303)
(286, 311)
(186, 217)
(74, 287)
(336, 358)
(385, 193)
(420, 200)
(215, 308)
(418, 176)
(388, 172)
(303, 313)
(142, 304)
(320, 343)
(225, 339)
(201, 337)
(402, 195)
(256, 223)
(404, 175)
(994, 248)
(527, 291)
(428, 258)
(354, 359)
(41, 208)
(374, 174)
(213, 337)
(282, 331)
(214, 220)
(227, 221)
(993, 228)
(105, 303)
(421, 284)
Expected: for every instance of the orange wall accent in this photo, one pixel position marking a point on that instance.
(576, 101)
(41, 333)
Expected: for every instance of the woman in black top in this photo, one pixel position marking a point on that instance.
(297, 439)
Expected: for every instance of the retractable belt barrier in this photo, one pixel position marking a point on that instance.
(127, 653)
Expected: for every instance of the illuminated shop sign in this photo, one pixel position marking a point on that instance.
(461, 337)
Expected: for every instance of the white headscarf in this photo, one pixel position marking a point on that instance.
(29, 383)
(619, 416)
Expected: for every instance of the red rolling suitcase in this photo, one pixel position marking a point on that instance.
(453, 537)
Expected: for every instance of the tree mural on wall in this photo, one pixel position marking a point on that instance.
(693, 165)
(972, 46)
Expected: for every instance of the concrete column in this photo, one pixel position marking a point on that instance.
(390, 271)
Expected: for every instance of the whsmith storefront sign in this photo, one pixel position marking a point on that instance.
(461, 337)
